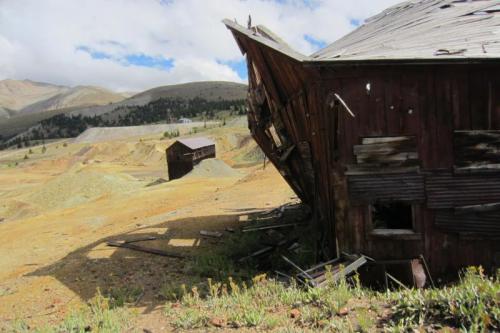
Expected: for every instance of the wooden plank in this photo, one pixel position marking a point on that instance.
(476, 148)
(387, 150)
(393, 99)
(145, 249)
(386, 139)
(459, 98)
(444, 121)
(384, 148)
(350, 268)
(405, 158)
(479, 97)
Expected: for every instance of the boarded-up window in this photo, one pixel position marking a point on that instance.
(477, 150)
(398, 151)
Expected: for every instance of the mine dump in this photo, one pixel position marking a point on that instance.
(355, 189)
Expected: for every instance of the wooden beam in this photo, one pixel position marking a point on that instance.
(145, 249)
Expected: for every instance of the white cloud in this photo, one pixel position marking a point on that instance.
(39, 40)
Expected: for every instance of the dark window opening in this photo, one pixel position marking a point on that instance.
(392, 215)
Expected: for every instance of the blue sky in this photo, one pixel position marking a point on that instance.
(138, 59)
(130, 45)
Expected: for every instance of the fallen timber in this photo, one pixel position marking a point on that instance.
(145, 249)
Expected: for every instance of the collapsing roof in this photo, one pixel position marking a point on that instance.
(412, 30)
(196, 143)
(391, 134)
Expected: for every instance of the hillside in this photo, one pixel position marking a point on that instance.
(208, 90)
(5, 113)
(213, 90)
(80, 96)
(16, 94)
(150, 105)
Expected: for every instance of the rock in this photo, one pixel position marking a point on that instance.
(294, 313)
(343, 311)
(217, 322)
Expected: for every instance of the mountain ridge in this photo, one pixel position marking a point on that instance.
(211, 91)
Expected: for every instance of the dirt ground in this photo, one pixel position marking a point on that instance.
(58, 209)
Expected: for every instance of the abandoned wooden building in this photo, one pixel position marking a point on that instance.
(184, 154)
(391, 133)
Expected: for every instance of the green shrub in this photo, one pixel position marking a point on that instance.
(126, 295)
(171, 134)
(473, 304)
(97, 316)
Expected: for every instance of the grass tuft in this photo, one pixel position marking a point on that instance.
(473, 304)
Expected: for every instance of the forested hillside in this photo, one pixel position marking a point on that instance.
(163, 110)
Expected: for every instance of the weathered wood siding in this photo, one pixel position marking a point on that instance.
(318, 141)
(181, 159)
(432, 104)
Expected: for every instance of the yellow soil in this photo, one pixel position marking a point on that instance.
(60, 207)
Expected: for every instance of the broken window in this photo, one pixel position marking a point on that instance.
(392, 215)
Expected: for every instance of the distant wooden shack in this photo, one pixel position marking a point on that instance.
(184, 154)
(392, 133)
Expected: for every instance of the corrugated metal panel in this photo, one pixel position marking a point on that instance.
(445, 190)
(195, 143)
(386, 187)
(486, 223)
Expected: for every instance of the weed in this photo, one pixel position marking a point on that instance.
(172, 291)
(365, 322)
(97, 316)
(125, 295)
(171, 134)
(472, 304)
(191, 318)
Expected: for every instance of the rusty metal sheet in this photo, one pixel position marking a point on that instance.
(485, 223)
(386, 187)
(447, 190)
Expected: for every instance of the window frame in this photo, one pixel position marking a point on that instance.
(408, 234)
